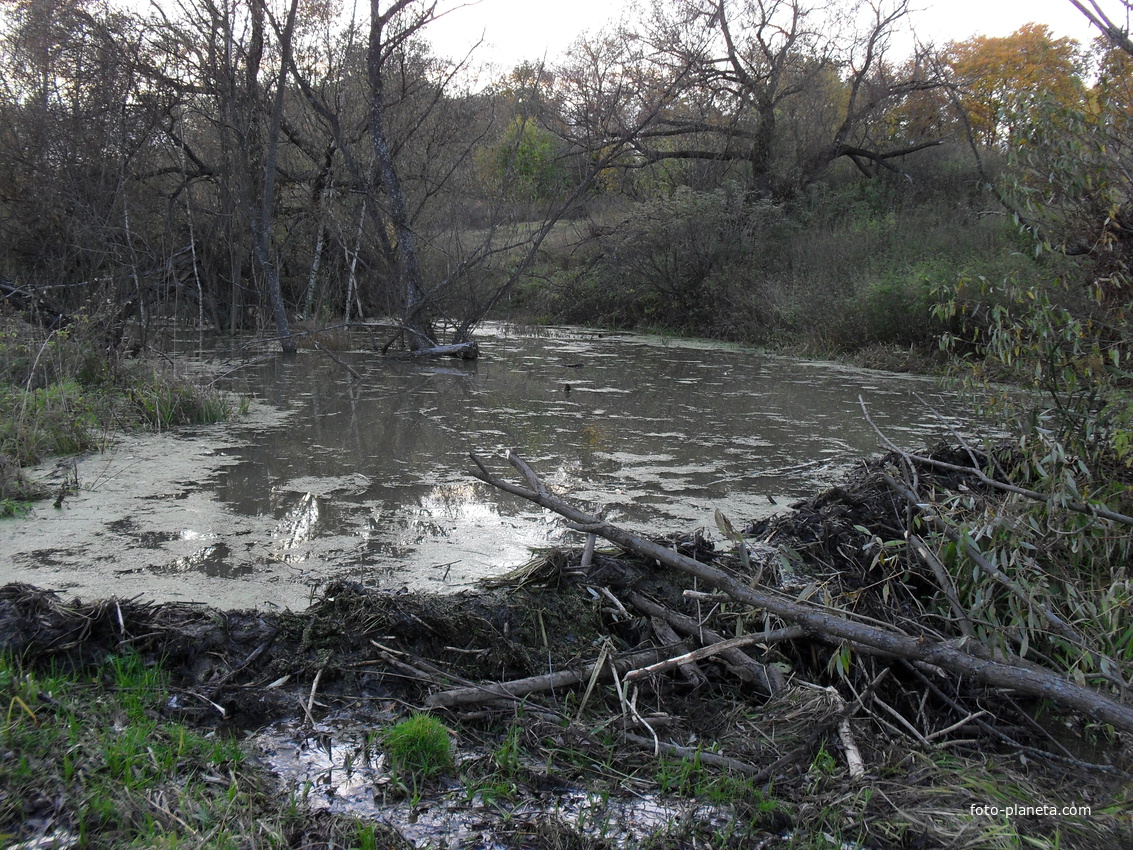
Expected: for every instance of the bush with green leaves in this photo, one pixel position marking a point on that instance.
(1042, 570)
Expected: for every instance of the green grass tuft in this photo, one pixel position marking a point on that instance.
(420, 746)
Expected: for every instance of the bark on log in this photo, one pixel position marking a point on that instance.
(824, 625)
(463, 350)
(563, 679)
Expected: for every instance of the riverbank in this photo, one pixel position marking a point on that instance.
(70, 388)
(779, 743)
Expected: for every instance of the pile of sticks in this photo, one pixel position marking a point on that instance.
(685, 642)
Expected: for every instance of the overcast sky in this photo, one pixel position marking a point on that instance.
(514, 30)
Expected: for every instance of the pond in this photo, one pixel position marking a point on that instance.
(367, 479)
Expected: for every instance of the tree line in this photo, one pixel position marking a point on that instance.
(245, 164)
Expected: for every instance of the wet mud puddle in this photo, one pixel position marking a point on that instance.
(336, 766)
(333, 477)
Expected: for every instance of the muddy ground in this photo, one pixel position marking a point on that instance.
(698, 756)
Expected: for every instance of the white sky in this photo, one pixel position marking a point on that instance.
(514, 30)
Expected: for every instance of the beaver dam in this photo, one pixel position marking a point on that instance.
(803, 684)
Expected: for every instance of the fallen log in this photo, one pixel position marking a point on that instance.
(822, 625)
(464, 350)
(548, 681)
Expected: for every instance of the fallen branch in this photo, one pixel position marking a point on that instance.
(689, 668)
(829, 627)
(766, 676)
(792, 633)
(1100, 511)
(563, 679)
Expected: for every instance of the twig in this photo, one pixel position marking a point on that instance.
(617, 603)
(900, 718)
(420, 668)
(594, 675)
(1078, 507)
(943, 580)
(518, 687)
(1007, 739)
(219, 708)
(306, 710)
(690, 669)
(637, 716)
(314, 689)
(940, 733)
(766, 676)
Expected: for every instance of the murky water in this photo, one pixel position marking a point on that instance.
(335, 477)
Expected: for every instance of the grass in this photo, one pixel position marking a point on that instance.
(63, 393)
(419, 746)
(92, 756)
(92, 760)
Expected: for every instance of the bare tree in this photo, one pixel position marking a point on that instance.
(262, 218)
(753, 60)
(389, 31)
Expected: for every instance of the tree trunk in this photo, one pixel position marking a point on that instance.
(415, 319)
(261, 221)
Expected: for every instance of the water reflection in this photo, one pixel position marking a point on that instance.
(298, 526)
(660, 433)
(369, 479)
(336, 767)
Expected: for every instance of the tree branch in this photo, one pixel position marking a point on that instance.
(833, 628)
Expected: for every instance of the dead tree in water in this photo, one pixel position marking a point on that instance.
(261, 220)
